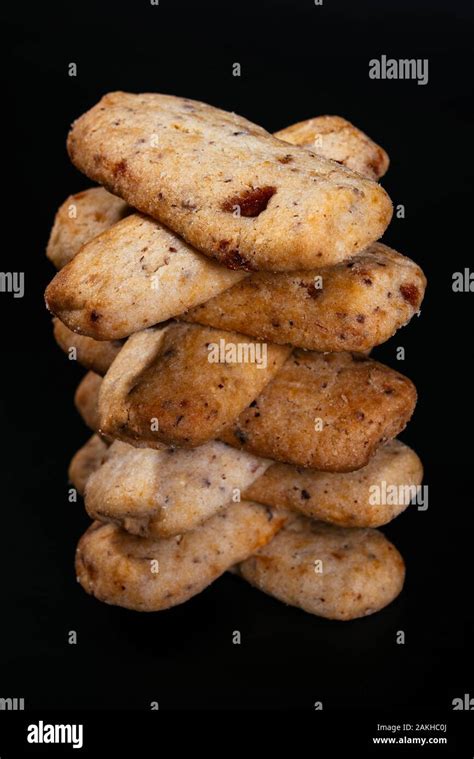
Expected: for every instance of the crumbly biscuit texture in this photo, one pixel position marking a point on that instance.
(339, 140)
(165, 387)
(352, 306)
(325, 411)
(369, 497)
(160, 493)
(132, 276)
(329, 571)
(88, 459)
(153, 574)
(80, 218)
(96, 355)
(86, 399)
(244, 198)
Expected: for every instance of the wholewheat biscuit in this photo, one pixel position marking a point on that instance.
(339, 140)
(86, 214)
(329, 571)
(245, 198)
(163, 386)
(96, 355)
(132, 276)
(348, 307)
(160, 493)
(347, 499)
(80, 218)
(148, 574)
(325, 411)
(86, 400)
(86, 461)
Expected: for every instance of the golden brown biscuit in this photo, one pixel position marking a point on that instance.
(152, 574)
(325, 411)
(132, 276)
(80, 218)
(163, 386)
(347, 499)
(348, 307)
(160, 493)
(93, 354)
(245, 199)
(86, 461)
(86, 400)
(339, 140)
(330, 571)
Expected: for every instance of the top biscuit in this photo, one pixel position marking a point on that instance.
(227, 186)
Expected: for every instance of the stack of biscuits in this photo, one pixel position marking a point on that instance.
(224, 287)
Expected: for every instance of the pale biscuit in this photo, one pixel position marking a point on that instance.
(339, 140)
(80, 218)
(132, 276)
(325, 411)
(86, 400)
(329, 571)
(352, 306)
(245, 198)
(137, 489)
(162, 387)
(152, 574)
(86, 461)
(86, 214)
(160, 493)
(96, 355)
(369, 497)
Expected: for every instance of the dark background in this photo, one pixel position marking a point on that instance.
(297, 61)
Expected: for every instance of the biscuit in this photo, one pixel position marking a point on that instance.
(86, 400)
(160, 493)
(348, 307)
(163, 387)
(93, 354)
(86, 214)
(132, 276)
(347, 499)
(339, 140)
(80, 218)
(152, 574)
(86, 461)
(136, 488)
(325, 411)
(244, 198)
(329, 571)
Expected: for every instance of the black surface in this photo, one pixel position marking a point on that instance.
(297, 61)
